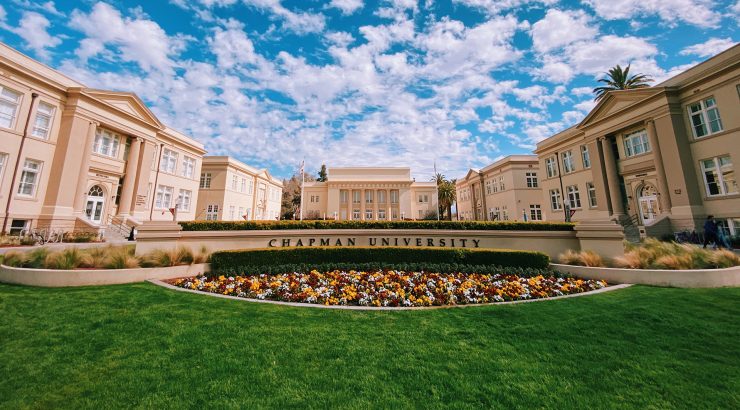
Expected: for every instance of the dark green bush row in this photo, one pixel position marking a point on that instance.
(375, 266)
(229, 261)
(451, 225)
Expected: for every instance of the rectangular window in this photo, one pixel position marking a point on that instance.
(555, 202)
(591, 194)
(535, 213)
(183, 200)
(205, 180)
(381, 214)
(169, 161)
(381, 197)
(494, 186)
(232, 212)
(719, 176)
(568, 163)
(3, 162)
(9, 102)
(241, 212)
(251, 187)
(505, 213)
(212, 213)
(550, 167)
(368, 214)
(423, 199)
(636, 143)
(394, 197)
(106, 143)
(343, 196)
(163, 199)
(355, 197)
(574, 197)
(29, 178)
(248, 214)
(356, 214)
(243, 185)
(531, 180)
(501, 183)
(19, 226)
(585, 156)
(368, 197)
(234, 182)
(188, 166)
(42, 123)
(705, 118)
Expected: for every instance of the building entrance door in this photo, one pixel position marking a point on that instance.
(94, 207)
(648, 203)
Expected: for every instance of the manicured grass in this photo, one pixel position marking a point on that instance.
(145, 346)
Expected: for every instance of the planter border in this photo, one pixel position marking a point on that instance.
(384, 308)
(690, 278)
(94, 277)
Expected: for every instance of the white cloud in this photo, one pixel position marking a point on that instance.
(33, 29)
(46, 7)
(300, 23)
(700, 13)
(347, 7)
(136, 40)
(708, 48)
(231, 45)
(493, 7)
(560, 28)
(596, 57)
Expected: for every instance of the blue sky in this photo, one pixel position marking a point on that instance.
(363, 83)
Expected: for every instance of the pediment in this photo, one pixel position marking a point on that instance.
(128, 103)
(617, 101)
(471, 174)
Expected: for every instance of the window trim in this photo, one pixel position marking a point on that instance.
(18, 103)
(52, 111)
(720, 177)
(36, 180)
(704, 113)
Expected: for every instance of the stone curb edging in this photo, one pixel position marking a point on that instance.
(94, 277)
(694, 278)
(370, 308)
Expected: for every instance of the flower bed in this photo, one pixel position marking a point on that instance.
(390, 288)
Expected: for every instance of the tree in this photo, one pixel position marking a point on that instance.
(291, 201)
(445, 195)
(619, 79)
(322, 174)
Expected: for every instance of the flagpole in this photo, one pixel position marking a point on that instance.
(436, 188)
(303, 179)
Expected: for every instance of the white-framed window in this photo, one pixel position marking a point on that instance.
(501, 183)
(184, 199)
(555, 201)
(535, 212)
(3, 163)
(591, 194)
(250, 190)
(636, 143)
(343, 196)
(585, 156)
(205, 180)
(568, 164)
(494, 186)
(169, 161)
(574, 197)
(188, 166)
(19, 226)
(232, 212)
(43, 121)
(381, 214)
(368, 214)
(243, 185)
(505, 213)
(10, 100)
(356, 214)
(249, 214)
(423, 198)
(381, 197)
(705, 118)
(489, 187)
(212, 213)
(368, 197)
(234, 182)
(719, 176)
(551, 167)
(106, 143)
(356, 197)
(163, 198)
(394, 196)
(531, 180)
(29, 177)
(241, 212)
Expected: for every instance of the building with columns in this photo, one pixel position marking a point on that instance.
(657, 159)
(80, 159)
(374, 194)
(233, 191)
(506, 190)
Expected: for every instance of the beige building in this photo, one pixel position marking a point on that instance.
(506, 190)
(76, 158)
(233, 191)
(657, 159)
(369, 194)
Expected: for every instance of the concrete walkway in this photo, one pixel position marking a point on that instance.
(313, 305)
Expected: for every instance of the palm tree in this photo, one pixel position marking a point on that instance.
(618, 79)
(447, 194)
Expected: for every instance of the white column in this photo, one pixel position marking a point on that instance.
(81, 193)
(125, 205)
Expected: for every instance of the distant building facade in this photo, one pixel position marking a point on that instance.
(506, 190)
(369, 194)
(657, 159)
(79, 159)
(233, 191)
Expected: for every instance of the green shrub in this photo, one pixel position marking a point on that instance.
(70, 258)
(258, 259)
(452, 225)
(27, 241)
(121, 258)
(15, 259)
(80, 237)
(162, 258)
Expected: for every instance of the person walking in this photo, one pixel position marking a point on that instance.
(710, 231)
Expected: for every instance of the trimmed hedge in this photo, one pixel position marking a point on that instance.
(330, 224)
(386, 257)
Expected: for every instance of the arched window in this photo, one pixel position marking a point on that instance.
(647, 190)
(96, 190)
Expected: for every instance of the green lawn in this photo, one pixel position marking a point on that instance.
(149, 347)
